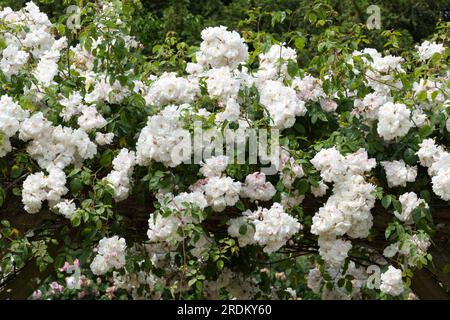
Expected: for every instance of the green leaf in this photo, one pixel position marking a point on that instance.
(321, 23)
(434, 95)
(422, 96)
(76, 219)
(425, 131)
(425, 195)
(386, 201)
(75, 186)
(17, 191)
(280, 186)
(243, 229)
(278, 16)
(312, 18)
(107, 158)
(446, 268)
(400, 230)
(240, 205)
(234, 125)
(220, 264)
(137, 100)
(397, 206)
(299, 43)
(410, 156)
(416, 215)
(302, 186)
(389, 230)
(73, 172)
(192, 282)
(85, 177)
(85, 216)
(300, 128)
(88, 43)
(348, 286)
(292, 68)
(16, 171)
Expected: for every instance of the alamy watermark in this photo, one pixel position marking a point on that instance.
(374, 279)
(74, 20)
(374, 19)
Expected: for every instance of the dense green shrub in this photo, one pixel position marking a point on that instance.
(92, 127)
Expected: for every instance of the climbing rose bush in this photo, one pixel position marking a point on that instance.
(97, 145)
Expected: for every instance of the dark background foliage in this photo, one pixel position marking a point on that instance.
(155, 18)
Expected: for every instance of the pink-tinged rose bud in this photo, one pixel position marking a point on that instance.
(65, 267)
(280, 276)
(56, 287)
(37, 295)
(110, 292)
(82, 294)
